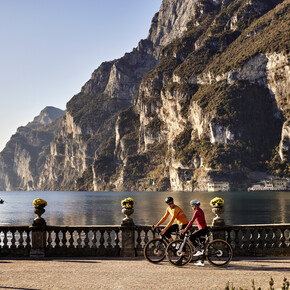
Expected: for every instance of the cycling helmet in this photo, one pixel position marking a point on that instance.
(169, 199)
(194, 202)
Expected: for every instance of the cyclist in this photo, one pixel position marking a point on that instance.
(176, 214)
(202, 227)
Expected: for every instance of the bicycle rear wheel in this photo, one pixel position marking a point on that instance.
(177, 256)
(155, 250)
(219, 253)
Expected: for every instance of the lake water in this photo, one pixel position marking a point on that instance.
(104, 208)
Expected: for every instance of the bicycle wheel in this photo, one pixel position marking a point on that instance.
(177, 256)
(155, 250)
(219, 253)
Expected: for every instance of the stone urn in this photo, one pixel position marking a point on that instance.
(218, 221)
(39, 211)
(127, 212)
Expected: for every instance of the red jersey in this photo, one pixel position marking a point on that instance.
(200, 219)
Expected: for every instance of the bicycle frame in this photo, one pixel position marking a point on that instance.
(181, 251)
(163, 237)
(186, 238)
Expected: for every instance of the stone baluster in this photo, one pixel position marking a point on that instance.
(117, 240)
(94, 239)
(13, 240)
(64, 240)
(109, 239)
(71, 239)
(21, 240)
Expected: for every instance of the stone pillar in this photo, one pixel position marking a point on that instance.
(38, 242)
(128, 234)
(128, 241)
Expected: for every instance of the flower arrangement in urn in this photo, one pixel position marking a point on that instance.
(38, 202)
(127, 209)
(128, 202)
(217, 208)
(217, 202)
(39, 205)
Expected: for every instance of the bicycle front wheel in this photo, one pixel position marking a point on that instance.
(219, 253)
(155, 250)
(178, 255)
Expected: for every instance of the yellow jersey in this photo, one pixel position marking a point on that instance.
(176, 214)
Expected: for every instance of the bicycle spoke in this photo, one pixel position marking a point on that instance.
(176, 255)
(155, 250)
(219, 253)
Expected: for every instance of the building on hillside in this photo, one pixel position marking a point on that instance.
(218, 186)
(273, 183)
(279, 183)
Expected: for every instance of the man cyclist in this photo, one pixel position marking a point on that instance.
(176, 214)
(202, 227)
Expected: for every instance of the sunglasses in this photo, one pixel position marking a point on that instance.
(170, 203)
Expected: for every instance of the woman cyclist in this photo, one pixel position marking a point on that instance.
(202, 227)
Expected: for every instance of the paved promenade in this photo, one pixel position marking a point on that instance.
(137, 273)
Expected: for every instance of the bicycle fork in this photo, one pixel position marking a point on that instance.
(179, 252)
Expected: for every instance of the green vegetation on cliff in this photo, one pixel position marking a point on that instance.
(243, 119)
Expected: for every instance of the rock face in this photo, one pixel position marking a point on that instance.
(91, 115)
(215, 105)
(22, 159)
(204, 97)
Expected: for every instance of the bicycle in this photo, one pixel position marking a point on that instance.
(218, 252)
(155, 249)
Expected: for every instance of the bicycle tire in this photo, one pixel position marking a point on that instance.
(219, 252)
(155, 250)
(173, 255)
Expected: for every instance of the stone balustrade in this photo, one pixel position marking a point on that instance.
(259, 240)
(129, 240)
(116, 241)
(15, 241)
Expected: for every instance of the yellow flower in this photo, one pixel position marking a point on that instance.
(217, 201)
(128, 202)
(38, 201)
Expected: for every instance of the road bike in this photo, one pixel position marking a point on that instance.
(181, 251)
(155, 249)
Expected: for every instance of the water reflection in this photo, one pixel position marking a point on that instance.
(104, 208)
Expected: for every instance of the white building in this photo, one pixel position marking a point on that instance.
(218, 186)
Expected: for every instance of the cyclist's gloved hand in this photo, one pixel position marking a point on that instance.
(162, 232)
(182, 231)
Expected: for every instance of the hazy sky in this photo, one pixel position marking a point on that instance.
(49, 49)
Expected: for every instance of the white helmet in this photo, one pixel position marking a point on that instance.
(194, 202)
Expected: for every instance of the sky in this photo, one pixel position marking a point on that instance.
(50, 48)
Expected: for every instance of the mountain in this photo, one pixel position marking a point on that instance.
(21, 160)
(215, 108)
(91, 115)
(204, 97)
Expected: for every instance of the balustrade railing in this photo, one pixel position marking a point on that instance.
(259, 240)
(83, 241)
(15, 241)
(102, 241)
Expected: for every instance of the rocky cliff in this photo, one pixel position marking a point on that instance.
(214, 108)
(204, 97)
(91, 115)
(22, 159)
